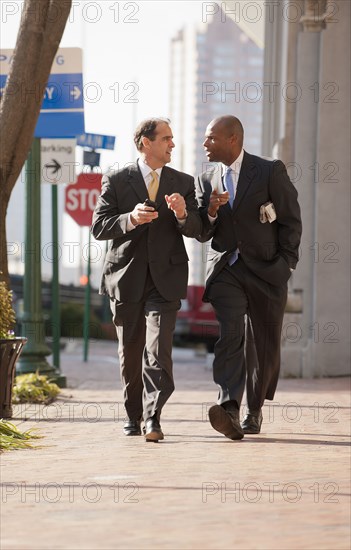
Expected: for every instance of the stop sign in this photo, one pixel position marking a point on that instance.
(81, 197)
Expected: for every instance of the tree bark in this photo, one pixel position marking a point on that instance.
(41, 29)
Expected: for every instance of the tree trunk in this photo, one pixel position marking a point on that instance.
(41, 29)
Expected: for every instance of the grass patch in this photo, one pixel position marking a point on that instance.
(12, 438)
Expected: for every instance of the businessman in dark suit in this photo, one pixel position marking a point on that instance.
(250, 213)
(144, 210)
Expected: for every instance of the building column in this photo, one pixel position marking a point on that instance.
(306, 152)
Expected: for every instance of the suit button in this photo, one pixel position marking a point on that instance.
(240, 243)
(235, 222)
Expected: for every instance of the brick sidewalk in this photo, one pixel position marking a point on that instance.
(90, 487)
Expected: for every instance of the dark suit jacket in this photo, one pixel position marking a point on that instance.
(268, 249)
(158, 245)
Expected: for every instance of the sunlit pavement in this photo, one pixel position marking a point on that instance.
(90, 487)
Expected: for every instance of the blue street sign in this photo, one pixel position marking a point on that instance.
(96, 141)
(62, 110)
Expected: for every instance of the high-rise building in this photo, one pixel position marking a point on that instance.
(215, 70)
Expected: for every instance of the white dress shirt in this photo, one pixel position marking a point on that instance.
(236, 167)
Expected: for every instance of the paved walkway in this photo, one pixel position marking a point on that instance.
(90, 487)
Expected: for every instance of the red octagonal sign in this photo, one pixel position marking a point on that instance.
(81, 197)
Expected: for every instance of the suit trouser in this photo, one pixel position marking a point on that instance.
(248, 350)
(145, 336)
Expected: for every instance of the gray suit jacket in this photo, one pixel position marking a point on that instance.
(157, 246)
(268, 249)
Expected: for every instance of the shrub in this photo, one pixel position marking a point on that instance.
(34, 388)
(7, 315)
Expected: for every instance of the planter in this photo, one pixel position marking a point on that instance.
(10, 350)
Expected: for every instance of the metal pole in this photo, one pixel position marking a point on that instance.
(106, 311)
(33, 357)
(55, 288)
(87, 306)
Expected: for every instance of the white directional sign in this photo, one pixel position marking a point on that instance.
(58, 163)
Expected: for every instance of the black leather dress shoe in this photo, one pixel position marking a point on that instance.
(153, 430)
(132, 427)
(226, 422)
(252, 423)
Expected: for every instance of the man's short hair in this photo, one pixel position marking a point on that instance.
(147, 128)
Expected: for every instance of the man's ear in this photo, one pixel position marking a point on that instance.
(145, 142)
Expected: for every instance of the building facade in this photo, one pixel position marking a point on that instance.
(307, 125)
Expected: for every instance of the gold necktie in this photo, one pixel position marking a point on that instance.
(153, 185)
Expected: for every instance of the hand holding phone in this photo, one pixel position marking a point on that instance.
(152, 204)
(141, 215)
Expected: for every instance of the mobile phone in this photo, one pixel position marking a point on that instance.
(151, 203)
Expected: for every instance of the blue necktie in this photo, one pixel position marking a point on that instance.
(229, 184)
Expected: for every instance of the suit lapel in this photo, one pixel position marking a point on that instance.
(247, 173)
(136, 180)
(167, 185)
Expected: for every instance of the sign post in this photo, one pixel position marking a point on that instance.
(57, 167)
(55, 308)
(32, 320)
(80, 202)
(61, 115)
(86, 331)
(90, 142)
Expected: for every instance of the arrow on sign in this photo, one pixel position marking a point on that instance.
(76, 92)
(55, 166)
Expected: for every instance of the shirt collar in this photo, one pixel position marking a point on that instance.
(236, 166)
(146, 170)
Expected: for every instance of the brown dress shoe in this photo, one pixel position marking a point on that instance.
(226, 422)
